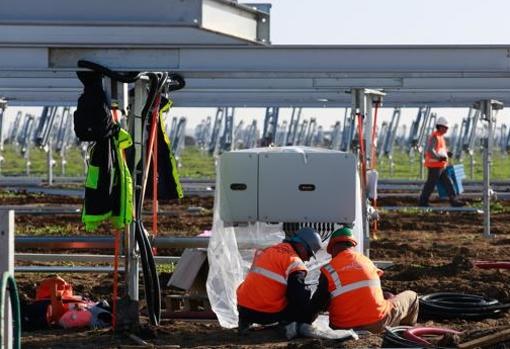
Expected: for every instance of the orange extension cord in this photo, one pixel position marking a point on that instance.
(152, 149)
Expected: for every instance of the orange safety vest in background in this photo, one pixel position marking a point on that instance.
(355, 288)
(265, 285)
(430, 161)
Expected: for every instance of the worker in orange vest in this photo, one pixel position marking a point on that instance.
(350, 289)
(274, 289)
(436, 160)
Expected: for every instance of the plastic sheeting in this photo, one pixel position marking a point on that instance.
(231, 250)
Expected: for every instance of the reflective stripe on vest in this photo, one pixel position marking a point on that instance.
(334, 276)
(269, 274)
(354, 286)
(293, 265)
(339, 289)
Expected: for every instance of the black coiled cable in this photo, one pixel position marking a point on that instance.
(393, 338)
(448, 305)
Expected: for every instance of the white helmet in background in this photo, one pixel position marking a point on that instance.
(441, 121)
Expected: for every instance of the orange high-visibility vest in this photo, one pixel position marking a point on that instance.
(355, 288)
(430, 161)
(265, 285)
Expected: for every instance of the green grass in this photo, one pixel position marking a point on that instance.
(495, 206)
(409, 167)
(47, 230)
(197, 164)
(14, 163)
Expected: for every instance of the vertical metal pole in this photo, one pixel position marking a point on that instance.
(358, 105)
(7, 265)
(486, 108)
(487, 157)
(369, 123)
(50, 164)
(136, 130)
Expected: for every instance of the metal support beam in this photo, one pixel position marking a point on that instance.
(82, 258)
(362, 105)
(486, 108)
(282, 76)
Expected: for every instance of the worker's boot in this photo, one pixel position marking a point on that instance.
(243, 327)
(454, 202)
(289, 330)
(423, 202)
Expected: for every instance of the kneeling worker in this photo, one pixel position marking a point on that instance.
(274, 289)
(350, 289)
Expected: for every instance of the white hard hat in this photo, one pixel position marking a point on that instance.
(441, 121)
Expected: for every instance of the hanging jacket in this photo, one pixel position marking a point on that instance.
(436, 148)
(122, 210)
(265, 285)
(108, 185)
(355, 290)
(169, 186)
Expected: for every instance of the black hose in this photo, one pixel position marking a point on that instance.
(177, 82)
(156, 287)
(126, 78)
(448, 305)
(150, 275)
(393, 338)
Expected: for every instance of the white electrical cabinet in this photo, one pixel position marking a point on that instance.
(238, 186)
(288, 184)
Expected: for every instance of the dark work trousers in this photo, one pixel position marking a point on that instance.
(436, 175)
(287, 315)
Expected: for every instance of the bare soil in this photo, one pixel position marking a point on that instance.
(431, 252)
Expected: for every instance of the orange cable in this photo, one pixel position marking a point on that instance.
(115, 277)
(150, 150)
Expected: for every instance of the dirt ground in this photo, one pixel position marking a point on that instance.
(431, 252)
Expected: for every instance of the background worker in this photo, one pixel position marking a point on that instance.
(274, 289)
(436, 160)
(350, 289)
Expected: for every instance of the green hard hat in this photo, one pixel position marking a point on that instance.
(343, 234)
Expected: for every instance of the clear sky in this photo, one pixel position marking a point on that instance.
(389, 21)
(374, 22)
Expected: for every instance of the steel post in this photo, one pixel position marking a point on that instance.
(486, 108)
(487, 154)
(136, 130)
